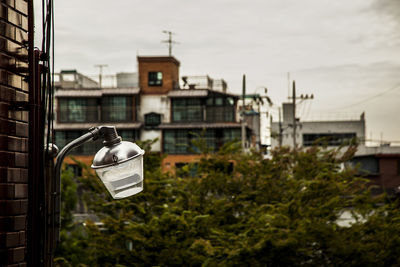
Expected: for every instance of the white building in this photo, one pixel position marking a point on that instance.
(332, 133)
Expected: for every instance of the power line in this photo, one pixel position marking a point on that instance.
(371, 97)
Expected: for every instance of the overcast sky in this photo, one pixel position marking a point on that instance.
(344, 52)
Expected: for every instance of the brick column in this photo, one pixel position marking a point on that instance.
(14, 132)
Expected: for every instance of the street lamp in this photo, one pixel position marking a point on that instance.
(119, 164)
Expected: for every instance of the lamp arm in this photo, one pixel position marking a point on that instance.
(109, 133)
(93, 134)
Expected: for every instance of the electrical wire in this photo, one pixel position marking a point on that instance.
(371, 97)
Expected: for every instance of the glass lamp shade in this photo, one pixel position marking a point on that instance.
(120, 168)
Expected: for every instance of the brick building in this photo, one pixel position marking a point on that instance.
(158, 109)
(381, 165)
(14, 132)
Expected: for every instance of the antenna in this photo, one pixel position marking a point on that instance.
(169, 41)
(100, 66)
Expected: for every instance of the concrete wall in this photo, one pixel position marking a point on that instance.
(312, 127)
(158, 104)
(316, 127)
(127, 79)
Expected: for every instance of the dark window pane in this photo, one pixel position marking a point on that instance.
(187, 110)
(155, 78)
(116, 108)
(219, 101)
(329, 139)
(77, 110)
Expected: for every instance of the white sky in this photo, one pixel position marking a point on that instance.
(344, 52)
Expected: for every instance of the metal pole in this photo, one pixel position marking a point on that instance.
(100, 66)
(242, 113)
(280, 128)
(35, 227)
(294, 114)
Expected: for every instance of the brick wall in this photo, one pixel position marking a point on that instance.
(388, 171)
(169, 67)
(14, 132)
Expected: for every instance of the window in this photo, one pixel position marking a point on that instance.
(220, 109)
(155, 78)
(187, 110)
(232, 134)
(368, 165)
(152, 120)
(116, 108)
(329, 139)
(77, 110)
(180, 141)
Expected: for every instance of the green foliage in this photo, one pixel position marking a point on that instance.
(282, 211)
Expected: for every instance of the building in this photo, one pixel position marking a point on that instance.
(332, 133)
(381, 165)
(254, 110)
(158, 109)
(21, 145)
(78, 108)
(157, 77)
(193, 113)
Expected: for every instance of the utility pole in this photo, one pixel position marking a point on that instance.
(100, 66)
(242, 113)
(169, 41)
(294, 98)
(294, 114)
(280, 128)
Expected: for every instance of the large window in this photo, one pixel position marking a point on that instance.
(180, 141)
(77, 109)
(368, 165)
(187, 110)
(220, 109)
(155, 78)
(116, 108)
(329, 139)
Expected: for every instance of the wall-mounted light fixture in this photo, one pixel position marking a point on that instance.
(119, 164)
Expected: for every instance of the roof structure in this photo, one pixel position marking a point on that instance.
(80, 126)
(96, 92)
(196, 93)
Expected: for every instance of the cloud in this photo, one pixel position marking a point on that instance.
(389, 8)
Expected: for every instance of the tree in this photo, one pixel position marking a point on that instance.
(282, 211)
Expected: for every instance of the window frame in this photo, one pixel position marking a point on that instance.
(190, 110)
(155, 78)
(67, 112)
(107, 106)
